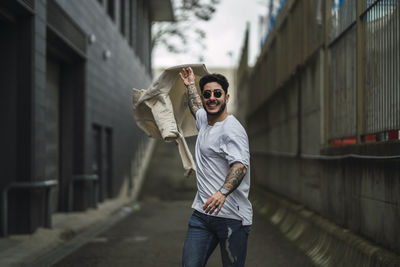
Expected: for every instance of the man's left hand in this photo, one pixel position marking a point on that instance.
(214, 203)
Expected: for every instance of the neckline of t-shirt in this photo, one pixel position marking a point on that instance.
(219, 122)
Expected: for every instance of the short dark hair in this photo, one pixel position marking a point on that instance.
(215, 77)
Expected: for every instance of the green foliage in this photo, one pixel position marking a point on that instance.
(184, 34)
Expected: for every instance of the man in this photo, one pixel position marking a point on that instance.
(223, 213)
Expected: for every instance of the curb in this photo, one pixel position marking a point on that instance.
(63, 250)
(326, 243)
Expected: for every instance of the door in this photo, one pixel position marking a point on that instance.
(52, 125)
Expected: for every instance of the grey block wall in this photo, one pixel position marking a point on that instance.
(109, 82)
(96, 90)
(38, 114)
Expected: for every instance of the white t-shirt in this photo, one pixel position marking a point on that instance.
(218, 147)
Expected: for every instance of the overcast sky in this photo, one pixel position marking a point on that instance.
(225, 34)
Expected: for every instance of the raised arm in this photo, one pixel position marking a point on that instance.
(187, 77)
(233, 179)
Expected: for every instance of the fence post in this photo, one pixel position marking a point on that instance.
(360, 69)
(326, 77)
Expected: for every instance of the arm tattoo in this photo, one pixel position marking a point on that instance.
(194, 99)
(234, 177)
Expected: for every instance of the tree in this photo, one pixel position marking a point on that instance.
(179, 35)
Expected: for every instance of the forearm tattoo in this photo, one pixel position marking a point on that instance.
(194, 99)
(234, 177)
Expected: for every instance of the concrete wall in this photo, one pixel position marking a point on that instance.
(290, 158)
(308, 88)
(359, 195)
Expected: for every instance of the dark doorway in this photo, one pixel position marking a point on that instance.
(102, 160)
(65, 72)
(107, 162)
(8, 100)
(16, 78)
(53, 123)
(96, 159)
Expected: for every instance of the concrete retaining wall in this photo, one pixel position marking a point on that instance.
(324, 242)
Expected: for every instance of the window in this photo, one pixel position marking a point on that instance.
(130, 22)
(111, 9)
(122, 11)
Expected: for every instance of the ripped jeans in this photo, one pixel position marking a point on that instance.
(204, 234)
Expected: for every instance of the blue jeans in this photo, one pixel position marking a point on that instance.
(204, 234)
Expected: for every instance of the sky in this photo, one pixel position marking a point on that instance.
(225, 36)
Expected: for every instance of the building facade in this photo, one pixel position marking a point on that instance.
(68, 136)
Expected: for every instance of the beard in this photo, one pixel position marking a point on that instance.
(216, 113)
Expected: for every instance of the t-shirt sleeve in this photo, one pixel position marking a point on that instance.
(236, 149)
(201, 118)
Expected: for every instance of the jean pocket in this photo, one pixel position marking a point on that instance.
(196, 220)
(246, 229)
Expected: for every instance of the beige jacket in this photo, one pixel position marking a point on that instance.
(162, 110)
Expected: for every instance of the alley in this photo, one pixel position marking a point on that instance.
(153, 235)
(90, 88)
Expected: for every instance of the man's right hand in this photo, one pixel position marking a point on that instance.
(187, 76)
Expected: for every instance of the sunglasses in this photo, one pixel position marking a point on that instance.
(207, 94)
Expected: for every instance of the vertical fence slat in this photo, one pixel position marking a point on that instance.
(296, 37)
(370, 74)
(382, 85)
(390, 67)
(396, 76)
(376, 52)
(393, 74)
(392, 64)
(383, 118)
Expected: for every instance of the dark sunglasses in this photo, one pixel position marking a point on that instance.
(207, 94)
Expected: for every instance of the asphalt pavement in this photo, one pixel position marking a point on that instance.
(153, 235)
(147, 233)
(153, 232)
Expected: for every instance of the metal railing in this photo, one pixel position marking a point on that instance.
(382, 73)
(363, 69)
(361, 42)
(342, 18)
(43, 185)
(93, 179)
